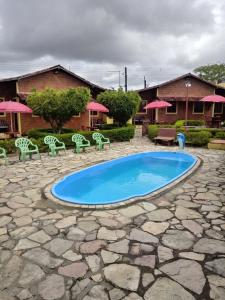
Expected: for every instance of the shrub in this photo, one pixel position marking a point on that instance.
(200, 138)
(152, 131)
(42, 132)
(121, 134)
(220, 135)
(9, 145)
(181, 123)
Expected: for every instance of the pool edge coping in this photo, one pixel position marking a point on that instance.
(49, 196)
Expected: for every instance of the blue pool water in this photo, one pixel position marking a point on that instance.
(120, 179)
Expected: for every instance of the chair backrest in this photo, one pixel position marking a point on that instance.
(50, 140)
(2, 151)
(167, 132)
(22, 143)
(97, 136)
(78, 138)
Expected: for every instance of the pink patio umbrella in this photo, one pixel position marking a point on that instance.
(156, 104)
(94, 106)
(14, 107)
(213, 99)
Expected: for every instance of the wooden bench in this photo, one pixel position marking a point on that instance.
(167, 135)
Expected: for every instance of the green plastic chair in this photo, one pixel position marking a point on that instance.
(100, 140)
(3, 155)
(80, 142)
(26, 147)
(54, 145)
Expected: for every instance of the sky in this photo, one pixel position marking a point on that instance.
(96, 39)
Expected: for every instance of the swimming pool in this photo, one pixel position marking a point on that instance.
(120, 179)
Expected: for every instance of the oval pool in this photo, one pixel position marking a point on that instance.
(123, 178)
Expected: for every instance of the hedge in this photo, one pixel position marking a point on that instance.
(195, 137)
(9, 145)
(200, 138)
(42, 132)
(153, 131)
(37, 137)
(181, 123)
(220, 135)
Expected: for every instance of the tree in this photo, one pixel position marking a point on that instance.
(122, 105)
(214, 73)
(58, 106)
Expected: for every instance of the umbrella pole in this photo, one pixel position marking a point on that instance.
(11, 121)
(213, 109)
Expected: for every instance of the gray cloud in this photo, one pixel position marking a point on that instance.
(159, 39)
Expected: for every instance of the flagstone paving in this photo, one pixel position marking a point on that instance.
(172, 247)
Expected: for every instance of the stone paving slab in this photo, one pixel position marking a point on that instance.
(172, 247)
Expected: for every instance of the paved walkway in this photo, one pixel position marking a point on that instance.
(167, 249)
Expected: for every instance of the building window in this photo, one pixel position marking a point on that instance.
(218, 108)
(94, 113)
(172, 109)
(198, 107)
(141, 107)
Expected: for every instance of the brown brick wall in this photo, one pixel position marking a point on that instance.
(163, 117)
(57, 79)
(178, 89)
(29, 122)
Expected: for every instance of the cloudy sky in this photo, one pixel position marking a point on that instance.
(158, 39)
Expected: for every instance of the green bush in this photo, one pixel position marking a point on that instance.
(152, 131)
(181, 123)
(42, 132)
(200, 138)
(9, 145)
(220, 135)
(121, 134)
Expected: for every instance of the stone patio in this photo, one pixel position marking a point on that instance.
(170, 248)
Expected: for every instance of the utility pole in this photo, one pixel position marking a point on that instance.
(125, 77)
(145, 83)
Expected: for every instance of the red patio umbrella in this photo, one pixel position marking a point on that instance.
(14, 107)
(157, 104)
(94, 106)
(213, 99)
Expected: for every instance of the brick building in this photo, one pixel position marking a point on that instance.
(189, 88)
(18, 88)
